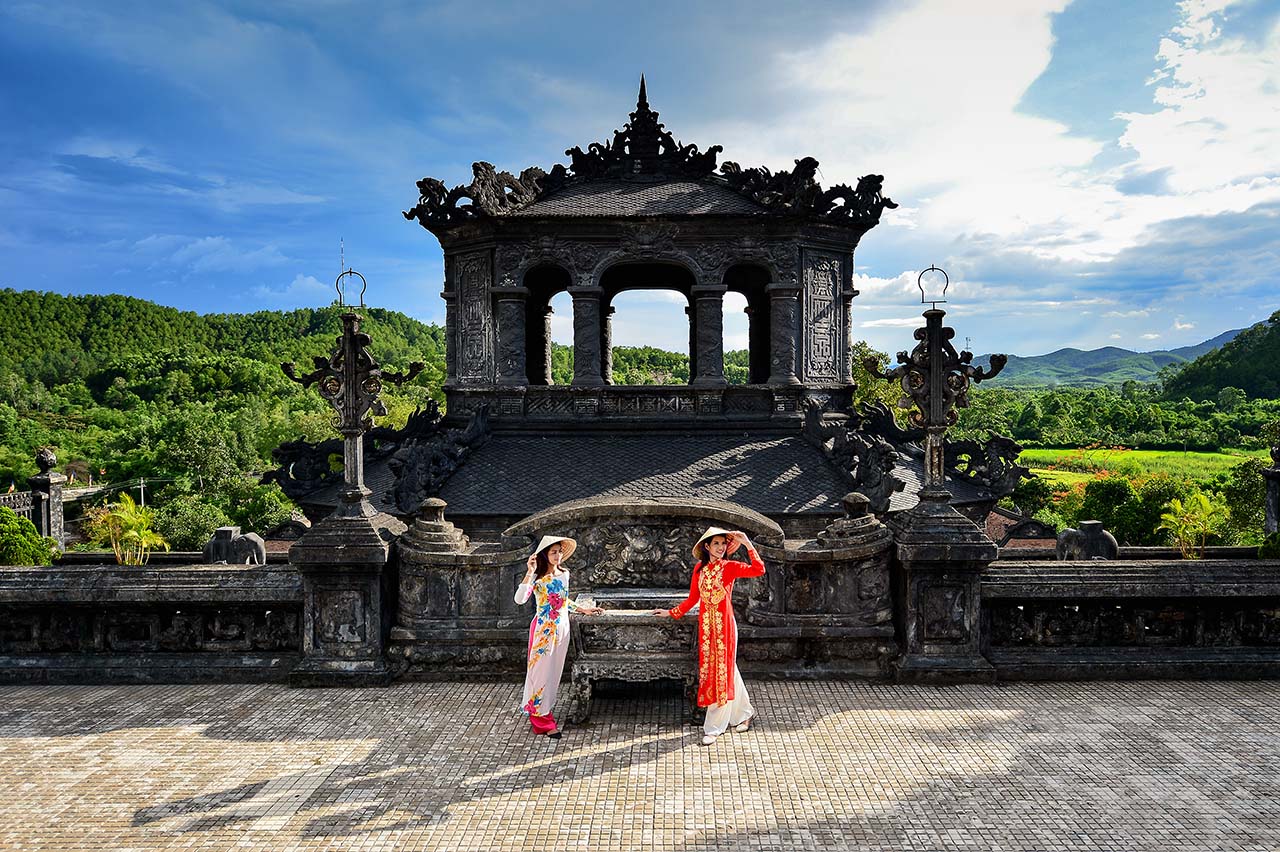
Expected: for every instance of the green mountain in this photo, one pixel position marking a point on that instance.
(1250, 361)
(1109, 365)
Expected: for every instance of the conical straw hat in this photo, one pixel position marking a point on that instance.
(735, 541)
(567, 545)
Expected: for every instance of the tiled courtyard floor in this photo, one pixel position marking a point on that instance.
(1121, 766)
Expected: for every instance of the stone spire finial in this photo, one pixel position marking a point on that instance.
(642, 102)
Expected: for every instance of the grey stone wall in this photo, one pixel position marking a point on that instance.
(107, 623)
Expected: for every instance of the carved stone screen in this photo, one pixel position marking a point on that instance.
(472, 274)
(821, 319)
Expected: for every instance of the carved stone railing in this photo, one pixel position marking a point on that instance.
(1130, 618)
(108, 623)
(19, 502)
(645, 402)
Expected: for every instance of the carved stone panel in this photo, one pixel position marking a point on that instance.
(823, 273)
(473, 276)
(943, 612)
(342, 616)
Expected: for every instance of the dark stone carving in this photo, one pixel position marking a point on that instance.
(472, 278)
(45, 459)
(822, 282)
(490, 192)
(957, 372)
(993, 464)
(1271, 512)
(645, 150)
(231, 547)
(634, 554)
(425, 459)
(797, 193)
(866, 458)
(306, 467)
(1091, 541)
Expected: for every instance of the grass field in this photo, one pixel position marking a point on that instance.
(1068, 467)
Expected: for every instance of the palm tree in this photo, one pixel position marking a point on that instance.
(129, 526)
(1190, 524)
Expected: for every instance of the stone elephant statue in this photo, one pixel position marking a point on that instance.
(229, 546)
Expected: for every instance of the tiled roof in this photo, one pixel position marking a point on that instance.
(519, 474)
(522, 474)
(627, 198)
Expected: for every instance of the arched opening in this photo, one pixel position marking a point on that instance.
(647, 305)
(544, 283)
(737, 339)
(751, 281)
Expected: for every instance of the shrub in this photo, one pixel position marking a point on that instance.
(1104, 500)
(187, 522)
(126, 528)
(20, 543)
(1191, 523)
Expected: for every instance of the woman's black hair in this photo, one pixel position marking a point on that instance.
(544, 563)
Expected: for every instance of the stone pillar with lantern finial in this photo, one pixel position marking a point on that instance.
(344, 558)
(939, 552)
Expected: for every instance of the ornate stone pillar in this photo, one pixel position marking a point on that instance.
(709, 309)
(846, 335)
(784, 304)
(606, 343)
(46, 497)
(511, 336)
(450, 334)
(693, 341)
(586, 336)
(546, 349)
(1271, 519)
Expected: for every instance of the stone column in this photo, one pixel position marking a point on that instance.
(586, 336)
(693, 340)
(1272, 475)
(46, 498)
(783, 334)
(709, 309)
(546, 337)
(606, 344)
(846, 335)
(450, 335)
(511, 336)
(937, 585)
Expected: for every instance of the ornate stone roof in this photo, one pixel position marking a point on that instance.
(645, 152)
(620, 198)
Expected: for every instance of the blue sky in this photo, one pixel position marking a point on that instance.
(1089, 173)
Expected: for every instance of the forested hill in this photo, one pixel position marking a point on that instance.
(1109, 365)
(1251, 362)
(56, 339)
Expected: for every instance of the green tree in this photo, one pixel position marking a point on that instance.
(1191, 523)
(1106, 499)
(187, 522)
(1244, 490)
(128, 529)
(20, 543)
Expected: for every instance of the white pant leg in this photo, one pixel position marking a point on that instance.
(733, 712)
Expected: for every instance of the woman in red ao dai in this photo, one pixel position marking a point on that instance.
(720, 686)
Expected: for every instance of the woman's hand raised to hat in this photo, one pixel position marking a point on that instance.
(532, 565)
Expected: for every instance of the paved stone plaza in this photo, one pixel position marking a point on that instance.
(832, 765)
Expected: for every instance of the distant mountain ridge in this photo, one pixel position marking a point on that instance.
(1109, 365)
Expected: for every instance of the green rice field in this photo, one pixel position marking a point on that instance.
(1067, 467)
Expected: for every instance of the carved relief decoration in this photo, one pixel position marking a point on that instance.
(822, 279)
(645, 150)
(475, 327)
(866, 459)
(634, 555)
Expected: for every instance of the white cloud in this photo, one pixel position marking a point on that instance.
(303, 289)
(117, 150)
(219, 254)
(1150, 336)
(892, 322)
(1179, 325)
(1217, 133)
